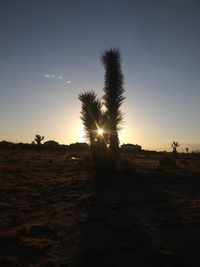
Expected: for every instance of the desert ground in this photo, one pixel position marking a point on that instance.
(54, 212)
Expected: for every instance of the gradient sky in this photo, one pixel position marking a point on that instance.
(49, 53)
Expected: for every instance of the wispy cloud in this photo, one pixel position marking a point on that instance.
(53, 76)
(57, 77)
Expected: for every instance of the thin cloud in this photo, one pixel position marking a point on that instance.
(57, 77)
(53, 76)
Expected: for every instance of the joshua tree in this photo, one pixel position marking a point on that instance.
(113, 98)
(102, 126)
(174, 146)
(38, 140)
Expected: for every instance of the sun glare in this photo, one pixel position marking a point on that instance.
(100, 131)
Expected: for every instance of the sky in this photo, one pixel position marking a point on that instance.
(50, 53)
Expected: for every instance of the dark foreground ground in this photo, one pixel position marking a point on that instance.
(54, 214)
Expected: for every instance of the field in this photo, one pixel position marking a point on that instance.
(54, 213)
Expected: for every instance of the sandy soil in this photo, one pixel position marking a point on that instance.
(53, 212)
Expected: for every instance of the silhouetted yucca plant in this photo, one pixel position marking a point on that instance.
(38, 140)
(175, 145)
(105, 145)
(113, 98)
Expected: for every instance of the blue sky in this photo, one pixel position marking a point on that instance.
(159, 42)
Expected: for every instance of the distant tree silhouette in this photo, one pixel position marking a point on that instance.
(187, 150)
(38, 140)
(174, 146)
(113, 98)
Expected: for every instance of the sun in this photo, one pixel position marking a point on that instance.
(100, 131)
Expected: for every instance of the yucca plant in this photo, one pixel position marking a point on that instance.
(105, 144)
(38, 140)
(175, 145)
(113, 98)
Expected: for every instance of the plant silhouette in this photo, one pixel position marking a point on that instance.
(38, 139)
(90, 114)
(113, 98)
(175, 145)
(102, 126)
